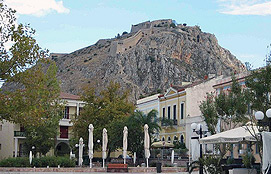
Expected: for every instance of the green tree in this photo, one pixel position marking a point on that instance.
(24, 51)
(33, 101)
(229, 107)
(135, 124)
(208, 110)
(259, 85)
(108, 110)
(36, 106)
(259, 90)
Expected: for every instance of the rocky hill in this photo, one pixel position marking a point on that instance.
(151, 57)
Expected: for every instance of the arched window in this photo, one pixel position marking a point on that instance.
(163, 138)
(181, 139)
(168, 139)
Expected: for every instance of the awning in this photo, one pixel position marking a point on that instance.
(236, 135)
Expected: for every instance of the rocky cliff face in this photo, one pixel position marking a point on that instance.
(147, 59)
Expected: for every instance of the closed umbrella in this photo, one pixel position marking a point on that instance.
(30, 157)
(172, 156)
(125, 142)
(90, 144)
(105, 141)
(81, 146)
(147, 143)
(134, 158)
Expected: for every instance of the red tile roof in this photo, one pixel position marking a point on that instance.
(64, 95)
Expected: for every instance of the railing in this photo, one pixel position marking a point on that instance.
(19, 134)
(20, 154)
(68, 116)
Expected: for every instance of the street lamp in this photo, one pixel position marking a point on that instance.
(259, 115)
(197, 128)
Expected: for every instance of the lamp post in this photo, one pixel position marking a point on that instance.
(197, 128)
(259, 115)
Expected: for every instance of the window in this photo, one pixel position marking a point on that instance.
(181, 139)
(0, 127)
(164, 113)
(64, 132)
(163, 138)
(168, 112)
(168, 139)
(174, 112)
(66, 112)
(182, 110)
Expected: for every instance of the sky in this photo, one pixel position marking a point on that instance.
(241, 26)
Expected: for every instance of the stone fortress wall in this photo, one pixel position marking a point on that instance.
(139, 31)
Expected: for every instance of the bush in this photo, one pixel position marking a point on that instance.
(51, 161)
(15, 162)
(248, 160)
(211, 164)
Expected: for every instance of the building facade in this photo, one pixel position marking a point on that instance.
(181, 105)
(12, 136)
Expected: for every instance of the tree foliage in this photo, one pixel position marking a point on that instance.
(24, 51)
(108, 110)
(135, 124)
(35, 106)
(259, 83)
(229, 107)
(33, 102)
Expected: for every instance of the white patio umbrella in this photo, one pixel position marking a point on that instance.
(125, 142)
(90, 144)
(147, 143)
(81, 146)
(232, 136)
(172, 156)
(266, 136)
(105, 141)
(134, 158)
(30, 157)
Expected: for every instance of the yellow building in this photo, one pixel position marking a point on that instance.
(181, 105)
(12, 135)
(172, 106)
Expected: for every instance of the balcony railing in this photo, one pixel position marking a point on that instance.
(169, 122)
(19, 134)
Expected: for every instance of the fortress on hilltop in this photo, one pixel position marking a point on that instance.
(138, 32)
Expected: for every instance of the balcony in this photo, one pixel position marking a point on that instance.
(65, 122)
(19, 134)
(64, 136)
(169, 122)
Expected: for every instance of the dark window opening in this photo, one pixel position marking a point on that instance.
(168, 112)
(182, 111)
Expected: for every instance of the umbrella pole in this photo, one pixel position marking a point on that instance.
(90, 163)
(147, 162)
(124, 160)
(103, 163)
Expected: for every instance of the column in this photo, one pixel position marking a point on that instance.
(77, 109)
(16, 147)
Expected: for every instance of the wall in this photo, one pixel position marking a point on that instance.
(197, 94)
(148, 103)
(6, 140)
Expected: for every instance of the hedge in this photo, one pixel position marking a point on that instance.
(50, 161)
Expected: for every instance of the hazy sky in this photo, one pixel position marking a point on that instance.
(241, 26)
